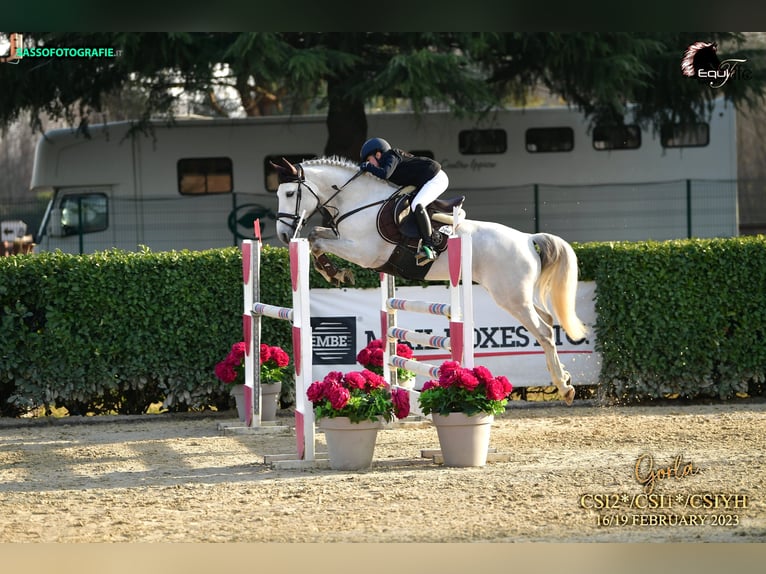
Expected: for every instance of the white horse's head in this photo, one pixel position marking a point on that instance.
(315, 186)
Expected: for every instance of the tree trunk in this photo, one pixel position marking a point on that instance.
(346, 123)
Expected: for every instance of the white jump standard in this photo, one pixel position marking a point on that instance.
(300, 318)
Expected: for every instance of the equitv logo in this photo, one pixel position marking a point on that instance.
(700, 60)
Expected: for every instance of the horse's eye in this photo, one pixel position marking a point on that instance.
(289, 193)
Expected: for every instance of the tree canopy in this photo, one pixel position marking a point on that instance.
(343, 73)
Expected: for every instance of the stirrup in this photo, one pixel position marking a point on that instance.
(425, 255)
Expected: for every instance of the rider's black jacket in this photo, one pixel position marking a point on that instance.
(403, 168)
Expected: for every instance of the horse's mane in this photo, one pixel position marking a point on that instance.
(345, 163)
(333, 161)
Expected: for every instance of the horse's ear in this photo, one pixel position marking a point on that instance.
(290, 166)
(286, 172)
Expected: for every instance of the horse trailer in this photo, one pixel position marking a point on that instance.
(199, 183)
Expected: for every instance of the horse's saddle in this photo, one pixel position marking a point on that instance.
(396, 224)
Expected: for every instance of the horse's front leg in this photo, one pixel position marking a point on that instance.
(321, 239)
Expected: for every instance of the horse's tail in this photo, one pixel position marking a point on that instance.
(558, 280)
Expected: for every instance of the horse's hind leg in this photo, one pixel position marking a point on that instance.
(540, 324)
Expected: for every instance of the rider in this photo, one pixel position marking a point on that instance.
(402, 168)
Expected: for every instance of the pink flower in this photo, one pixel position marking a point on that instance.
(279, 357)
(374, 380)
(265, 353)
(315, 392)
(401, 400)
(429, 385)
(333, 377)
(466, 380)
(238, 351)
(225, 372)
(355, 380)
(338, 396)
(376, 358)
(497, 389)
(448, 373)
(482, 373)
(507, 386)
(363, 357)
(404, 350)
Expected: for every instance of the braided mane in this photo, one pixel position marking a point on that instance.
(333, 161)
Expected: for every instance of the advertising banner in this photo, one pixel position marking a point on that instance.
(344, 320)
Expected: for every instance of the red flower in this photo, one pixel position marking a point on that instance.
(466, 380)
(373, 379)
(265, 353)
(225, 371)
(448, 373)
(376, 358)
(279, 357)
(333, 377)
(429, 385)
(482, 373)
(237, 352)
(507, 386)
(404, 350)
(338, 396)
(363, 357)
(355, 380)
(315, 392)
(401, 400)
(495, 390)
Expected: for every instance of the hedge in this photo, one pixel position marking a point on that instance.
(683, 317)
(118, 331)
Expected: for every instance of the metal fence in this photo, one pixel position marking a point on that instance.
(610, 212)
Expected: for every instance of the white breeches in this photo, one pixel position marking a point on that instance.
(431, 190)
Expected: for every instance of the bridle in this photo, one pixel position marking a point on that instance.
(330, 218)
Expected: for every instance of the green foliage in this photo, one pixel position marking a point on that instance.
(446, 400)
(683, 317)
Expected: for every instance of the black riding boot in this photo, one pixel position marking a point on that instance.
(426, 253)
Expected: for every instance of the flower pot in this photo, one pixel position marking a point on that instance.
(238, 392)
(350, 446)
(270, 400)
(464, 439)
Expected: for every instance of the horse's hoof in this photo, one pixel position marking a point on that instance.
(569, 396)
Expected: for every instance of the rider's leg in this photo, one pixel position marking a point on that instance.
(426, 252)
(430, 191)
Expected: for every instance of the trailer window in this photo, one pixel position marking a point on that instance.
(685, 135)
(475, 142)
(91, 210)
(541, 140)
(205, 175)
(271, 177)
(616, 137)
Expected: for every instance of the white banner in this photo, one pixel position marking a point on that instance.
(344, 320)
